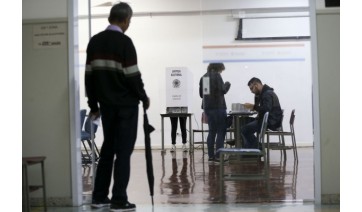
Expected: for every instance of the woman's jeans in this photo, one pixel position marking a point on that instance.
(217, 129)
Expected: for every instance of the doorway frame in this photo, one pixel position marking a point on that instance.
(74, 104)
(315, 103)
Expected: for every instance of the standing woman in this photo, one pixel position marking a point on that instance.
(213, 103)
(174, 132)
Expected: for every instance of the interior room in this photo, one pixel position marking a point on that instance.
(275, 42)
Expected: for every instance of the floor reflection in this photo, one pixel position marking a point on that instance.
(180, 183)
(189, 178)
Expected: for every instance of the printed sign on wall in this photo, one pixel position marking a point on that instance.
(47, 36)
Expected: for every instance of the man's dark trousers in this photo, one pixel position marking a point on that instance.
(120, 133)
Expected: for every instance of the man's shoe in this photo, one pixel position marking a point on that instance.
(101, 204)
(173, 148)
(123, 207)
(184, 148)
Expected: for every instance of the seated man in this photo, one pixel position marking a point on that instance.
(265, 100)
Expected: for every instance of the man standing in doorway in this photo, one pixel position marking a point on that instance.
(114, 88)
(265, 100)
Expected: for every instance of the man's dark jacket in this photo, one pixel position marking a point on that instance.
(268, 101)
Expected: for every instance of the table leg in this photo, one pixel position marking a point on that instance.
(162, 135)
(190, 136)
(44, 190)
(26, 201)
(237, 131)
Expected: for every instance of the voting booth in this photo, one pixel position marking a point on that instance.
(178, 90)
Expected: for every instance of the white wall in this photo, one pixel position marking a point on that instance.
(35, 9)
(45, 111)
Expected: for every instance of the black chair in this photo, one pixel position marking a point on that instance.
(281, 133)
(87, 138)
(229, 139)
(202, 131)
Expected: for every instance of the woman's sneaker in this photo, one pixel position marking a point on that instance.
(184, 148)
(123, 207)
(173, 148)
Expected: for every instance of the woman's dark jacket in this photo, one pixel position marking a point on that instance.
(214, 100)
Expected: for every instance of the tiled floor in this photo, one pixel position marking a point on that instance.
(184, 178)
(187, 182)
(271, 207)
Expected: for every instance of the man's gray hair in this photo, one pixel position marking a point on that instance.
(120, 12)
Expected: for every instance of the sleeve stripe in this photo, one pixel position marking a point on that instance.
(101, 64)
(132, 70)
(106, 64)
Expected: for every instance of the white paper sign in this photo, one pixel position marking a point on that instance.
(47, 36)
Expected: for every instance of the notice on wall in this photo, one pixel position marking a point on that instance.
(47, 36)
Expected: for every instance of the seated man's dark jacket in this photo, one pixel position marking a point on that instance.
(268, 101)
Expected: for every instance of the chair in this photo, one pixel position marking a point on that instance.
(281, 133)
(83, 114)
(230, 131)
(87, 138)
(280, 137)
(85, 159)
(229, 140)
(202, 131)
(243, 152)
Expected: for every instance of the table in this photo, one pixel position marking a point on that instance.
(28, 161)
(163, 115)
(237, 118)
